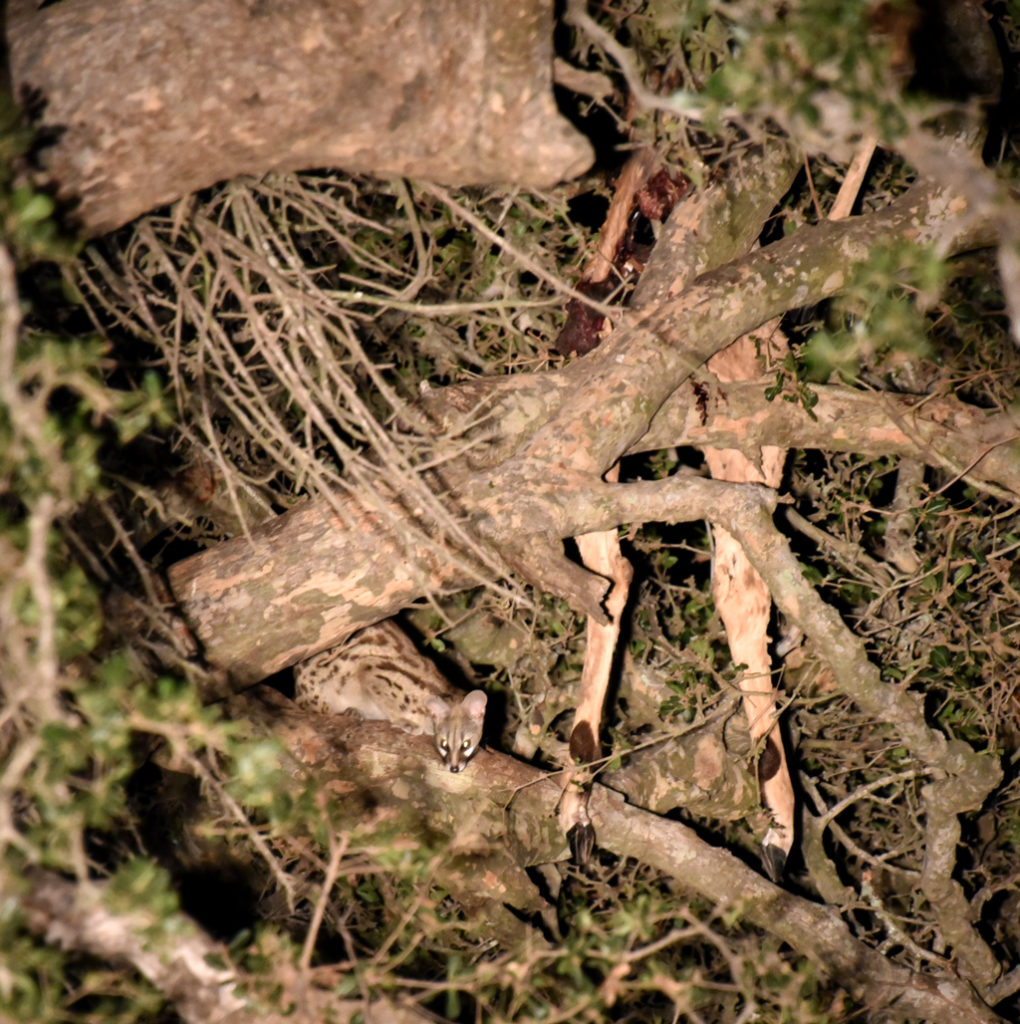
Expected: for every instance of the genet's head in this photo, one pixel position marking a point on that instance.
(458, 727)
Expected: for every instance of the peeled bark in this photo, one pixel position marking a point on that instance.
(149, 102)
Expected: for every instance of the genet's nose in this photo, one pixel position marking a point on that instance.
(454, 767)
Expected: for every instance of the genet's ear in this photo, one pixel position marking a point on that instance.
(438, 708)
(474, 703)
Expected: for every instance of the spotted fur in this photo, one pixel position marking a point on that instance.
(380, 675)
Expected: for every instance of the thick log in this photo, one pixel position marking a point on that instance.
(149, 102)
(301, 583)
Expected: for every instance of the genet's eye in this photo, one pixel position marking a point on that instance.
(443, 745)
(466, 745)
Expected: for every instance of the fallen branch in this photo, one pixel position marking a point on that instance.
(498, 800)
(304, 582)
(192, 971)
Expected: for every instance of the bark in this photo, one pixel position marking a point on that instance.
(478, 870)
(149, 102)
(303, 582)
(192, 971)
(941, 431)
(627, 380)
(704, 767)
(499, 802)
(337, 578)
(525, 506)
(496, 805)
(76, 917)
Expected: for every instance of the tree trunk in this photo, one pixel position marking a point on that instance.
(146, 103)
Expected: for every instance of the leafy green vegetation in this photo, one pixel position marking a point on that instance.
(147, 374)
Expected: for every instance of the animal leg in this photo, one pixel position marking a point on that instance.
(744, 604)
(740, 593)
(601, 553)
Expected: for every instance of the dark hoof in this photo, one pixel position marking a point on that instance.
(582, 841)
(774, 861)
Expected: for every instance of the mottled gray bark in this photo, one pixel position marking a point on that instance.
(149, 102)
